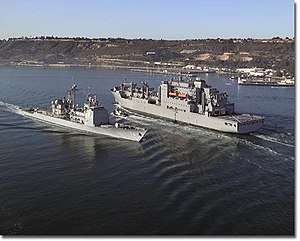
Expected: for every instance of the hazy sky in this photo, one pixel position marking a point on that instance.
(166, 19)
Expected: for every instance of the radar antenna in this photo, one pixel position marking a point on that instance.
(71, 94)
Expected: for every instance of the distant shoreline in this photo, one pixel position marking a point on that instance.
(155, 70)
(150, 70)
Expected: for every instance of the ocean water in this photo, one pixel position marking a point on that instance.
(180, 180)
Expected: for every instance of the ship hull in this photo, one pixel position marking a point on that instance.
(105, 130)
(228, 124)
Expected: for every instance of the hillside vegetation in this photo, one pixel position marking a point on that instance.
(229, 53)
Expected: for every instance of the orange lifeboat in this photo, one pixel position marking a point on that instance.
(172, 94)
(182, 95)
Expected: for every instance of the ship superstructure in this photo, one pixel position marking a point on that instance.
(91, 114)
(92, 117)
(192, 102)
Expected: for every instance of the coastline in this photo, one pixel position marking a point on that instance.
(135, 68)
(151, 70)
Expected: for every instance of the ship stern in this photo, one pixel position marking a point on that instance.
(250, 126)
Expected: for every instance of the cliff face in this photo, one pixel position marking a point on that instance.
(230, 53)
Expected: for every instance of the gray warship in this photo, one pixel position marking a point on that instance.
(91, 118)
(190, 102)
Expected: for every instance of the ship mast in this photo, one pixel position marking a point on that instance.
(71, 94)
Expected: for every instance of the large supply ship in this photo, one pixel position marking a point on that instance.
(92, 117)
(193, 102)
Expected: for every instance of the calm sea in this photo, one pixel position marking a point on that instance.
(180, 180)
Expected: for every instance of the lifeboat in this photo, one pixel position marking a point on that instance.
(182, 95)
(172, 94)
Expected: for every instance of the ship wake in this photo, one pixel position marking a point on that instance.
(10, 107)
(274, 140)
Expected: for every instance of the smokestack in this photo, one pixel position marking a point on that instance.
(131, 91)
(203, 102)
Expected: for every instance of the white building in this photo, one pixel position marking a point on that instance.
(190, 66)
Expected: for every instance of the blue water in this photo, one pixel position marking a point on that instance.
(180, 180)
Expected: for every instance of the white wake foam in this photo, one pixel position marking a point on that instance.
(11, 107)
(271, 139)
